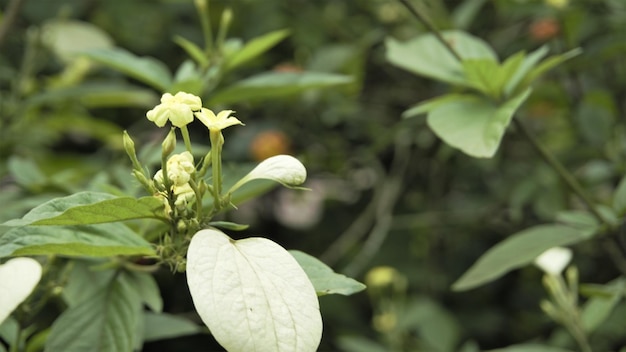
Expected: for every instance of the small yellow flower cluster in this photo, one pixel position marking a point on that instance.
(180, 109)
(180, 167)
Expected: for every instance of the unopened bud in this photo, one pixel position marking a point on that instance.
(169, 144)
(129, 147)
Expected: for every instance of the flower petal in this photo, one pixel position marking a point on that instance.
(554, 260)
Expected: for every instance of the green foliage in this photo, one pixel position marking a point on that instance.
(518, 250)
(329, 83)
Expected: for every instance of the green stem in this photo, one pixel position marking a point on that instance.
(15, 347)
(12, 10)
(196, 191)
(565, 175)
(205, 22)
(420, 17)
(551, 160)
(185, 132)
(217, 140)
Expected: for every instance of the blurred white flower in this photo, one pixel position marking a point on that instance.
(554, 260)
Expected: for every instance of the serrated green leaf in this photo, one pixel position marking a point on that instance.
(276, 84)
(518, 250)
(160, 326)
(474, 124)
(103, 323)
(426, 56)
(101, 240)
(254, 48)
(324, 279)
(111, 210)
(145, 69)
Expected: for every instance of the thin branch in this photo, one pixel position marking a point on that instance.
(9, 17)
(565, 175)
(426, 22)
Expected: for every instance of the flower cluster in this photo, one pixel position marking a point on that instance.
(180, 109)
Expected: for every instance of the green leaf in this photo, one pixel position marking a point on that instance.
(194, 51)
(111, 210)
(160, 326)
(276, 84)
(531, 347)
(547, 65)
(324, 279)
(597, 309)
(518, 250)
(68, 38)
(619, 197)
(483, 75)
(359, 344)
(101, 240)
(104, 322)
(506, 73)
(98, 95)
(465, 13)
(145, 69)
(254, 48)
(426, 56)
(57, 206)
(26, 172)
(473, 124)
(147, 287)
(227, 225)
(430, 104)
(528, 63)
(435, 325)
(85, 281)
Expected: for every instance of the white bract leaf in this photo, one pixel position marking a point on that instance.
(252, 294)
(554, 260)
(284, 169)
(18, 278)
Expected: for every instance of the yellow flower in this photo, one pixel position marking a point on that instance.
(177, 108)
(184, 195)
(218, 122)
(179, 169)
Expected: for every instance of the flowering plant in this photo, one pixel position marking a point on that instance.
(251, 293)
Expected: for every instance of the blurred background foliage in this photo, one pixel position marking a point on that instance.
(391, 204)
